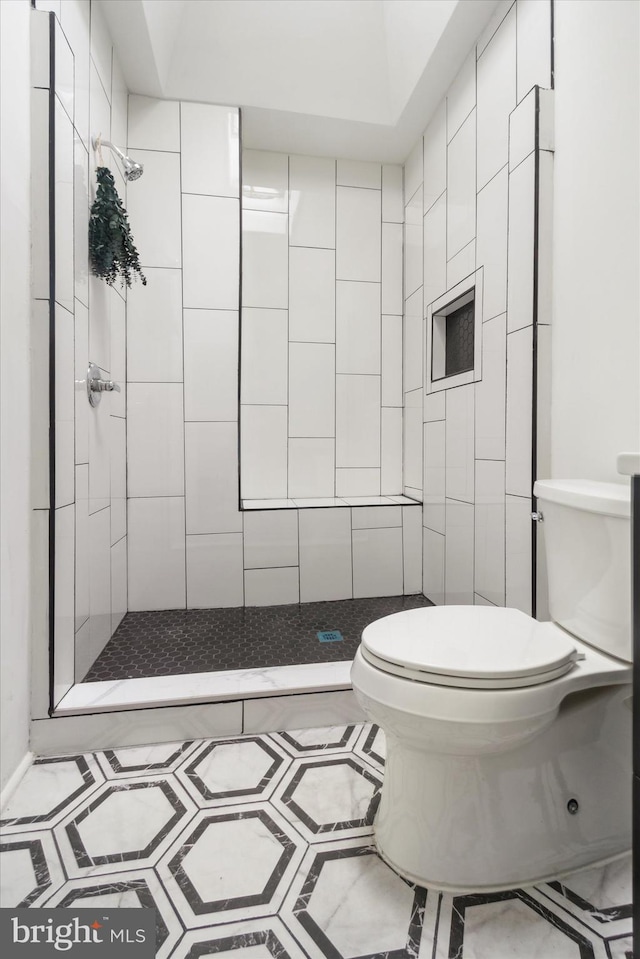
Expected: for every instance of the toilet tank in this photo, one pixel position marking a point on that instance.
(587, 536)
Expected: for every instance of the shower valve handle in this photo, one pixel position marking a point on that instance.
(96, 386)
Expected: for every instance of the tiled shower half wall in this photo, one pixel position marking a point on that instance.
(341, 263)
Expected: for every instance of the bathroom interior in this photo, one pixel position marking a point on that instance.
(390, 252)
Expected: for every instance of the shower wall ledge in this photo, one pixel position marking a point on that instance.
(192, 688)
(319, 502)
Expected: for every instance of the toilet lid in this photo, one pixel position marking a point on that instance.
(472, 646)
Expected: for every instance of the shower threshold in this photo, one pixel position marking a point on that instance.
(186, 657)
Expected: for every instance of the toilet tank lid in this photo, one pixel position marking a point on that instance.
(610, 499)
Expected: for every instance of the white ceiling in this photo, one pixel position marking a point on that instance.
(350, 78)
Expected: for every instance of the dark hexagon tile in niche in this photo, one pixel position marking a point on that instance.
(125, 825)
(228, 771)
(48, 788)
(172, 642)
(346, 902)
(335, 795)
(231, 865)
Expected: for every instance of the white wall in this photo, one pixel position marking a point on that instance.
(596, 326)
(14, 380)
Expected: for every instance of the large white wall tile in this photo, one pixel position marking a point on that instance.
(392, 360)
(490, 531)
(461, 265)
(435, 406)
(64, 208)
(522, 130)
(435, 157)
(357, 327)
(119, 103)
(311, 467)
(301, 711)
(75, 23)
(357, 482)
(265, 181)
(118, 370)
(211, 238)
(100, 305)
(214, 570)
(357, 421)
(359, 173)
(521, 243)
(118, 451)
(461, 187)
(392, 266)
(153, 124)
(376, 517)
(358, 234)
(156, 560)
(155, 439)
(459, 553)
(101, 46)
(265, 259)
(271, 587)
(210, 149)
(211, 468)
(412, 441)
(82, 546)
(460, 434)
(435, 250)
(80, 214)
(391, 452)
(311, 389)
(392, 193)
(377, 562)
(413, 171)
(211, 364)
(325, 555)
(65, 406)
(491, 391)
(518, 553)
(118, 583)
(265, 349)
(534, 45)
(412, 548)
(99, 582)
(413, 229)
(496, 99)
(99, 455)
(491, 245)
(312, 201)
(433, 566)
(519, 397)
(413, 342)
(154, 328)
(312, 294)
(263, 438)
(40, 194)
(434, 476)
(461, 95)
(155, 224)
(270, 538)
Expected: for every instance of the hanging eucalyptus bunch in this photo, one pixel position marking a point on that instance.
(112, 252)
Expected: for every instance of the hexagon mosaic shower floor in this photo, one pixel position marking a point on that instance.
(261, 846)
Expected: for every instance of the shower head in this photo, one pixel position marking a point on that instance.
(132, 169)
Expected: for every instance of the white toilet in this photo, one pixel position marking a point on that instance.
(509, 740)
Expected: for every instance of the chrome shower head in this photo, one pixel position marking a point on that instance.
(132, 169)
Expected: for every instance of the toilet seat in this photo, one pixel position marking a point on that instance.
(475, 647)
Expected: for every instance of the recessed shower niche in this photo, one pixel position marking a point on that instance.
(454, 336)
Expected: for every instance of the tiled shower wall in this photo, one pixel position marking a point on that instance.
(321, 390)
(478, 194)
(190, 545)
(89, 98)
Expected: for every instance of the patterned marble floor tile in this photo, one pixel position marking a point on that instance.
(145, 760)
(510, 925)
(371, 746)
(231, 865)
(599, 897)
(30, 869)
(125, 825)
(620, 948)
(256, 939)
(328, 739)
(329, 796)
(229, 771)
(49, 789)
(346, 903)
(138, 889)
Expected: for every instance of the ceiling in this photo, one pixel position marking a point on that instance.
(348, 78)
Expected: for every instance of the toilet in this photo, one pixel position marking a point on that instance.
(508, 739)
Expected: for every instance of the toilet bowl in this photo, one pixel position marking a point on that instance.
(509, 740)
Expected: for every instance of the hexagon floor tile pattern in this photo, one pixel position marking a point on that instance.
(174, 641)
(262, 846)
